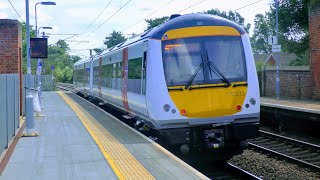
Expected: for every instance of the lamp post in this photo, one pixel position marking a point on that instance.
(46, 3)
(39, 69)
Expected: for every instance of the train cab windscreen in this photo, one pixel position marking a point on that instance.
(204, 60)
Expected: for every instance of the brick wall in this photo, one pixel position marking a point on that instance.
(294, 83)
(314, 29)
(10, 50)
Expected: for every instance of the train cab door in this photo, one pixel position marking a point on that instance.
(143, 77)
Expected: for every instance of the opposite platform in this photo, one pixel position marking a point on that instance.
(293, 105)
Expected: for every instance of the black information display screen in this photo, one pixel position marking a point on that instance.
(39, 47)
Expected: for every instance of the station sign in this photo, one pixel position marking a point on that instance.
(39, 47)
(272, 40)
(276, 48)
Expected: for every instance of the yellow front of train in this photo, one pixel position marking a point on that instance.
(202, 86)
(205, 70)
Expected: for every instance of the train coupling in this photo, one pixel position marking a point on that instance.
(214, 139)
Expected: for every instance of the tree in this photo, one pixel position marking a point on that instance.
(97, 50)
(155, 22)
(74, 59)
(24, 47)
(62, 44)
(293, 28)
(232, 16)
(114, 39)
(263, 28)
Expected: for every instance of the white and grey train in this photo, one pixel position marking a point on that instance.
(192, 80)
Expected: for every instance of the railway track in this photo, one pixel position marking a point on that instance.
(66, 86)
(297, 151)
(228, 171)
(213, 171)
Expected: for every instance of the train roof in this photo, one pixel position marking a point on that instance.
(178, 21)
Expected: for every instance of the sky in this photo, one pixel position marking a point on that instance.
(85, 23)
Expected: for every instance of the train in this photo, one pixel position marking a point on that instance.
(191, 80)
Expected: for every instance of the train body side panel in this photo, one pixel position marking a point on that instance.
(253, 85)
(156, 93)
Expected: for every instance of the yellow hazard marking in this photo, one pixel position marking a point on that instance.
(200, 31)
(122, 162)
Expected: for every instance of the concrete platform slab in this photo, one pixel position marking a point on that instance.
(64, 149)
(160, 163)
(294, 105)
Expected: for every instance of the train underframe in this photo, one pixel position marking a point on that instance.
(212, 141)
(223, 141)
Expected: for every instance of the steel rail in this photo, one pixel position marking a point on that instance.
(285, 153)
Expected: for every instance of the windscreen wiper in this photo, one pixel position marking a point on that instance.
(216, 70)
(193, 76)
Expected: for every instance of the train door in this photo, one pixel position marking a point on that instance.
(114, 72)
(100, 77)
(143, 77)
(91, 76)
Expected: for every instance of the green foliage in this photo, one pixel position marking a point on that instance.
(262, 30)
(97, 50)
(302, 60)
(114, 39)
(293, 25)
(63, 45)
(259, 65)
(24, 46)
(74, 59)
(155, 22)
(57, 56)
(232, 16)
(293, 28)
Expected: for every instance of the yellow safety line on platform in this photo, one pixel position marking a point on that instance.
(122, 162)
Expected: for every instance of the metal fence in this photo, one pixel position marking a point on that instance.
(47, 84)
(9, 108)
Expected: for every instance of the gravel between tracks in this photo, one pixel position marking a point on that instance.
(271, 168)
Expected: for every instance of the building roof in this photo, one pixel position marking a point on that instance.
(285, 58)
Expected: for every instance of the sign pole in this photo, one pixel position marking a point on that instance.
(278, 55)
(29, 97)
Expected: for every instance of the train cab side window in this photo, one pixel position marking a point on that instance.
(144, 60)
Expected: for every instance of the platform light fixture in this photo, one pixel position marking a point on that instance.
(45, 3)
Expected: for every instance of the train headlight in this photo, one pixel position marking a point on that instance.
(166, 107)
(252, 101)
(238, 107)
(183, 112)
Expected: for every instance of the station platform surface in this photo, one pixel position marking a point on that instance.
(290, 104)
(80, 141)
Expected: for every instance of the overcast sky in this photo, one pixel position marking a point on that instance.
(82, 16)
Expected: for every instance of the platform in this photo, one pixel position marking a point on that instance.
(293, 105)
(80, 141)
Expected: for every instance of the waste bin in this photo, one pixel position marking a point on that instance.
(36, 102)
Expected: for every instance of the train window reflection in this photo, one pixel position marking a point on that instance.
(182, 57)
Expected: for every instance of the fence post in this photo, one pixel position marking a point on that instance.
(298, 87)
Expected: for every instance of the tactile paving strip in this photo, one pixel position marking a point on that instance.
(123, 163)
